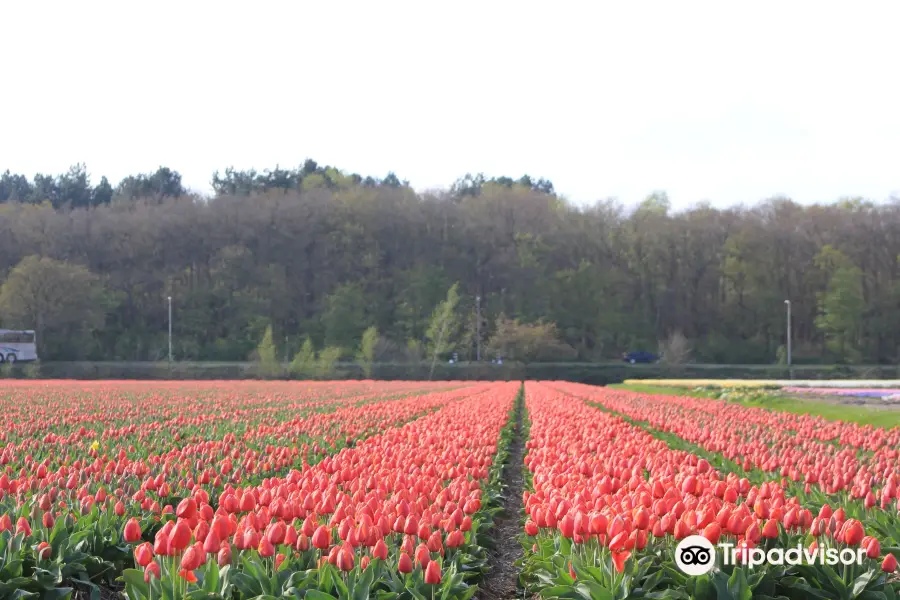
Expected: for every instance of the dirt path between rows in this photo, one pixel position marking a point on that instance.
(501, 582)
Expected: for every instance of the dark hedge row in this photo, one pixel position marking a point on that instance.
(595, 374)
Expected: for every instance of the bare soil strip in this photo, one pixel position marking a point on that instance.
(501, 581)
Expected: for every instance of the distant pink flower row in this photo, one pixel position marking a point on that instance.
(862, 392)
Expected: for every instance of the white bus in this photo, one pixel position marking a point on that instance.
(17, 345)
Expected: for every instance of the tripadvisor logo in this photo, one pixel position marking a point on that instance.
(695, 555)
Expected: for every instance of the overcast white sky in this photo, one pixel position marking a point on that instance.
(701, 99)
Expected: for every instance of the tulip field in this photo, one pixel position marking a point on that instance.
(246, 490)
(365, 489)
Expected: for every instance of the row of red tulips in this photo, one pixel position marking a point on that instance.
(869, 493)
(832, 456)
(610, 501)
(178, 454)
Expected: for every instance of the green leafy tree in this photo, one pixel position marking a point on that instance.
(443, 325)
(163, 183)
(841, 309)
(578, 292)
(32, 370)
(14, 187)
(325, 365)
(344, 317)
(74, 188)
(102, 194)
(267, 353)
(415, 350)
(420, 289)
(366, 355)
(303, 363)
(781, 355)
(64, 303)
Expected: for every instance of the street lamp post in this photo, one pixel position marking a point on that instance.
(170, 329)
(478, 328)
(788, 303)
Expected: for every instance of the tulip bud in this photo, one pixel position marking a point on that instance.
(405, 564)
(433, 573)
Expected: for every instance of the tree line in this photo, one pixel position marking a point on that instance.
(317, 257)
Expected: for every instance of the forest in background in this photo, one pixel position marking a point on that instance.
(316, 253)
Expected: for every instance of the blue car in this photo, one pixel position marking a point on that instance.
(640, 357)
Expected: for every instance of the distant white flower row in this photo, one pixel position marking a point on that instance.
(839, 383)
(769, 383)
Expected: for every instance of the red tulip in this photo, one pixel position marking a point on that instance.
(567, 526)
(619, 559)
(770, 529)
(180, 537)
(151, 570)
(380, 550)
(433, 573)
(617, 543)
(22, 526)
(276, 532)
(187, 509)
(224, 556)
(423, 556)
(873, 548)
(405, 564)
(251, 538)
(188, 576)
(265, 548)
(753, 533)
(132, 531)
(44, 551)
(321, 539)
(411, 527)
(435, 543)
(161, 543)
(143, 554)
(309, 527)
(345, 560)
(290, 536)
(456, 539)
(191, 559)
(854, 533)
(682, 530)
(641, 519)
(212, 543)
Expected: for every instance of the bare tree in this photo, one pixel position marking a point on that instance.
(676, 350)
